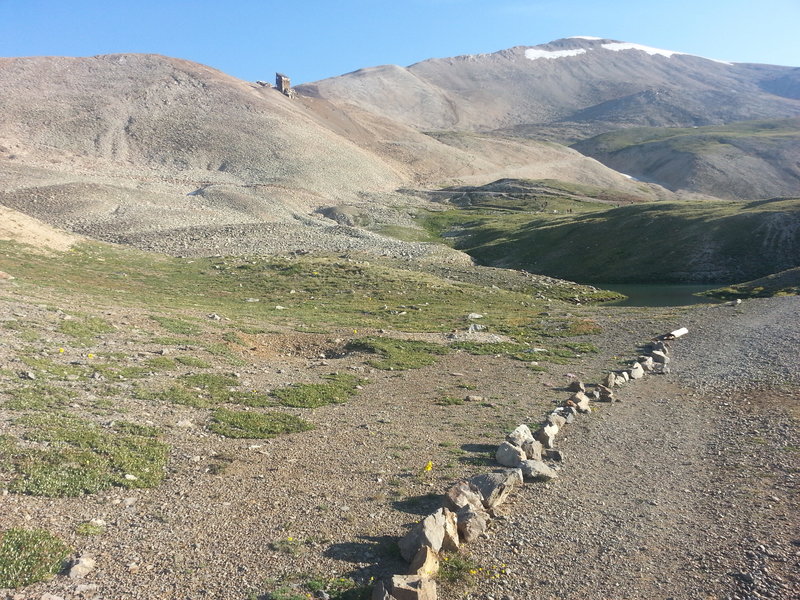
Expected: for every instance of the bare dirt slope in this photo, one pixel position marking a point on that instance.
(125, 147)
(21, 228)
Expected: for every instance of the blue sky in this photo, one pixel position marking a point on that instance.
(313, 39)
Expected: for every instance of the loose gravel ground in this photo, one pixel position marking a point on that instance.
(685, 489)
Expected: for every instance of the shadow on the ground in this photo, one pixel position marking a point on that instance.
(423, 504)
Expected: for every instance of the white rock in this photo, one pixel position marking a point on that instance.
(463, 494)
(81, 567)
(637, 371)
(520, 435)
(660, 357)
(509, 455)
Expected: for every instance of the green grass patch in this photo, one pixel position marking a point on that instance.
(177, 326)
(302, 586)
(161, 363)
(193, 361)
(28, 556)
(85, 327)
(736, 240)
(398, 355)
(255, 425)
(449, 401)
(512, 349)
(337, 389)
(210, 381)
(46, 367)
(88, 529)
(233, 337)
(785, 283)
(78, 457)
(458, 568)
(39, 396)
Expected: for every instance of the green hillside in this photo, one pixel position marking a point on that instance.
(586, 241)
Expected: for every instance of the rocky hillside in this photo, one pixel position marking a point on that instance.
(746, 160)
(573, 87)
(126, 147)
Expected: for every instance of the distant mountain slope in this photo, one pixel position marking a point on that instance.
(126, 147)
(711, 241)
(757, 159)
(568, 81)
(158, 118)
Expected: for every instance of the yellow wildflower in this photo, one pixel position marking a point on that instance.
(428, 466)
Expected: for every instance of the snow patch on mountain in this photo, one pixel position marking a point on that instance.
(535, 53)
(619, 46)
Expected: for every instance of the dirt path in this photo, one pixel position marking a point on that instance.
(683, 490)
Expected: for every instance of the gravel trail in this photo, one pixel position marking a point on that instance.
(685, 489)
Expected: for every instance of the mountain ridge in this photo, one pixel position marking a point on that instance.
(533, 87)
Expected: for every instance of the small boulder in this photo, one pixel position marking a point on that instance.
(683, 331)
(581, 401)
(576, 386)
(520, 435)
(413, 587)
(533, 449)
(472, 523)
(546, 435)
(620, 380)
(428, 532)
(556, 418)
(647, 363)
(610, 380)
(497, 486)
(637, 371)
(533, 470)
(463, 494)
(425, 563)
(450, 541)
(660, 357)
(606, 395)
(81, 567)
(509, 455)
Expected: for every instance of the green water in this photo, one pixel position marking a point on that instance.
(645, 294)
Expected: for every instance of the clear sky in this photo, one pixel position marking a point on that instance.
(314, 39)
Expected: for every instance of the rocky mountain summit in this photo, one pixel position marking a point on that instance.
(574, 86)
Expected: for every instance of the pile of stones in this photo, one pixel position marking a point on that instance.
(470, 504)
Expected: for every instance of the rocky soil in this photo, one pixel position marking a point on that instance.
(685, 489)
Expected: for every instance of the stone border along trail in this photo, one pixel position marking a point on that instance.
(686, 491)
(469, 505)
